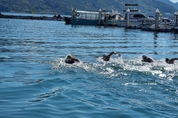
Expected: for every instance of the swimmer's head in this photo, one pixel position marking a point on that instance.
(144, 57)
(104, 55)
(119, 55)
(167, 60)
(69, 57)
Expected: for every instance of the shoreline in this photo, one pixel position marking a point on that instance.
(32, 17)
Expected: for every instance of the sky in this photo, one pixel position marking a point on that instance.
(174, 1)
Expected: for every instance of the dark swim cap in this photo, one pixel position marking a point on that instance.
(144, 56)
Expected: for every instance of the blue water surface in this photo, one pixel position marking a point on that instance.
(36, 83)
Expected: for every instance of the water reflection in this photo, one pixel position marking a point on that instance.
(175, 36)
(155, 42)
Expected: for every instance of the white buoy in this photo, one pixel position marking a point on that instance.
(128, 18)
(157, 15)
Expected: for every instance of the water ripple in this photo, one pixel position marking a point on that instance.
(34, 75)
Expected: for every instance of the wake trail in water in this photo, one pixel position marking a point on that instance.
(117, 67)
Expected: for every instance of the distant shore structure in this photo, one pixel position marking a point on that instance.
(31, 17)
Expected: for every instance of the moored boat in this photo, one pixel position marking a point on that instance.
(134, 17)
(112, 18)
(87, 17)
(161, 24)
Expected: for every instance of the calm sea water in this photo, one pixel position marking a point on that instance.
(36, 83)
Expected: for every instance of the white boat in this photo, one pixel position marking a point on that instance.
(164, 25)
(113, 18)
(136, 18)
(101, 17)
(161, 24)
(87, 17)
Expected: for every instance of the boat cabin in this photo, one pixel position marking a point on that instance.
(131, 7)
(137, 16)
(89, 15)
(166, 21)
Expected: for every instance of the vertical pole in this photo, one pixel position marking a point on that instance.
(128, 17)
(99, 16)
(176, 18)
(157, 14)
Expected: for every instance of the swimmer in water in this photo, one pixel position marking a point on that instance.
(70, 60)
(147, 59)
(107, 57)
(170, 61)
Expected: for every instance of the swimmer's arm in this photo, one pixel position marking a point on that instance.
(76, 60)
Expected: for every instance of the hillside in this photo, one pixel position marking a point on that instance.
(175, 5)
(63, 7)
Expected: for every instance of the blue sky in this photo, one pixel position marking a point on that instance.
(174, 1)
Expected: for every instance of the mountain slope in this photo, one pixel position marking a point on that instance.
(175, 5)
(64, 6)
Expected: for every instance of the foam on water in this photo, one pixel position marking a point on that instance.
(115, 67)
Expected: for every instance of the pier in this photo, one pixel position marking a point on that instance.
(132, 20)
(32, 17)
